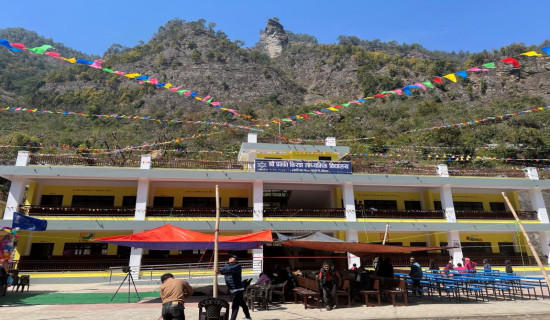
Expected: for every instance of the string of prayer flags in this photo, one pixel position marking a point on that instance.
(118, 116)
(97, 65)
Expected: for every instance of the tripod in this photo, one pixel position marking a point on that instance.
(130, 281)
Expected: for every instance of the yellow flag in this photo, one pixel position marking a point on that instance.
(168, 85)
(531, 54)
(132, 75)
(71, 60)
(451, 77)
(332, 108)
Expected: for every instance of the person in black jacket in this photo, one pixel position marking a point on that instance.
(233, 279)
(3, 277)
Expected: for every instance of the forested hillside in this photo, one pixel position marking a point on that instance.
(305, 77)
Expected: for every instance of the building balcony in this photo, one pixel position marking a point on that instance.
(496, 215)
(304, 213)
(336, 213)
(400, 214)
(199, 212)
(38, 210)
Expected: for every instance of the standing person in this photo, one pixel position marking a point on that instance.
(416, 276)
(173, 293)
(3, 277)
(509, 268)
(329, 283)
(470, 265)
(233, 279)
(460, 268)
(486, 265)
(448, 267)
(354, 267)
(432, 266)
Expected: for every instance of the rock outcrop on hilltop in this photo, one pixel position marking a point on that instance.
(274, 38)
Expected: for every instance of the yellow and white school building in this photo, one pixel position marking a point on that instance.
(270, 186)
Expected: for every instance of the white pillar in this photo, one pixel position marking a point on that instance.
(352, 236)
(453, 240)
(141, 199)
(447, 204)
(349, 201)
(258, 260)
(15, 197)
(135, 260)
(544, 237)
(258, 200)
(537, 202)
(23, 158)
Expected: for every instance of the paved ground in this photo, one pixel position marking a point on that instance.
(150, 309)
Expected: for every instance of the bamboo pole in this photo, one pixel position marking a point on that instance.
(541, 266)
(216, 238)
(386, 233)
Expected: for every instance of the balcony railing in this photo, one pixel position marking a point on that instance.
(496, 215)
(304, 213)
(199, 212)
(508, 173)
(200, 164)
(53, 160)
(38, 210)
(400, 214)
(385, 169)
(175, 163)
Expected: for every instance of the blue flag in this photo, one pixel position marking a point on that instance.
(28, 223)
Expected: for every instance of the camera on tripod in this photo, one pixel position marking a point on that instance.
(130, 278)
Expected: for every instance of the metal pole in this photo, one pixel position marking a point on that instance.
(541, 266)
(216, 237)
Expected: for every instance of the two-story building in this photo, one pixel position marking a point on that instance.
(294, 189)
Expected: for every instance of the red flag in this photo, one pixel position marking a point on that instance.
(305, 115)
(512, 61)
(438, 80)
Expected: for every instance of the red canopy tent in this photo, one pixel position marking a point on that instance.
(169, 237)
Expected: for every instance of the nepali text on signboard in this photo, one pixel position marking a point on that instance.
(299, 166)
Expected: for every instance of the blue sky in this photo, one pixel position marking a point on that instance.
(450, 25)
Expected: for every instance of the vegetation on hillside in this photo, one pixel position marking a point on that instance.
(184, 52)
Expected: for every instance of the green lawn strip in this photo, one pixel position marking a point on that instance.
(72, 298)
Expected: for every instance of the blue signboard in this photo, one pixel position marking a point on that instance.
(299, 166)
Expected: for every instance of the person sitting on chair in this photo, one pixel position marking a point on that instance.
(173, 293)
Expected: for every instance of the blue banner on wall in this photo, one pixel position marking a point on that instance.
(300, 166)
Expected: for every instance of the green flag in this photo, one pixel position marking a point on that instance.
(108, 70)
(490, 65)
(40, 50)
(428, 84)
